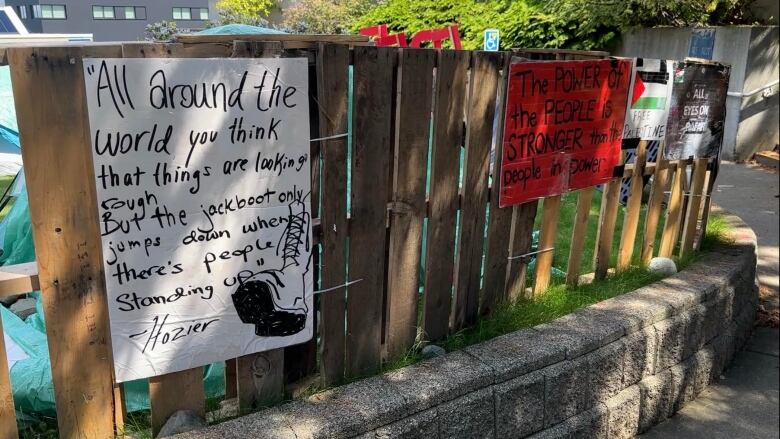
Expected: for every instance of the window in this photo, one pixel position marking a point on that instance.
(204, 13)
(103, 12)
(50, 12)
(119, 12)
(23, 12)
(182, 14)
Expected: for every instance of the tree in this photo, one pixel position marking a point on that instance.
(575, 24)
(324, 16)
(162, 31)
(244, 11)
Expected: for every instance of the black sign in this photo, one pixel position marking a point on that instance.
(698, 110)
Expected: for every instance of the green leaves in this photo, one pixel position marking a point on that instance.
(575, 24)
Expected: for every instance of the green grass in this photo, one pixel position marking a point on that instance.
(556, 302)
(566, 229)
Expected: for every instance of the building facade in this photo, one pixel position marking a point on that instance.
(111, 20)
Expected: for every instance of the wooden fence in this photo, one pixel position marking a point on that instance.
(374, 238)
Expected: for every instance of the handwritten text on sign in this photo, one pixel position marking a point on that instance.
(698, 110)
(563, 126)
(203, 184)
(652, 93)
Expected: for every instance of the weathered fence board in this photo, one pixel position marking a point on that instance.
(499, 220)
(66, 231)
(449, 106)
(485, 76)
(371, 150)
(332, 67)
(413, 118)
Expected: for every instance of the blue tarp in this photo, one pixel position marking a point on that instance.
(239, 29)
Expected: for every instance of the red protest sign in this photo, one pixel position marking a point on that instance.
(563, 126)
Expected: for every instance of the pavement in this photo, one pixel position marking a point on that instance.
(744, 402)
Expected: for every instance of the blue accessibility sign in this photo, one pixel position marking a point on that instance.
(490, 42)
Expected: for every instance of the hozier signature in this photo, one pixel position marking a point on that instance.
(257, 300)
(163, 335)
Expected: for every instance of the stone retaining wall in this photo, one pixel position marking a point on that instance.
(611, 370)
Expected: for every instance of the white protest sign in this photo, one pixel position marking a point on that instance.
(652, 93)
(203, 190)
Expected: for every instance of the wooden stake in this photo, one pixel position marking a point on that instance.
(522, 232)
(660, 181)
(550, 216)
(578, 236)
(673, 212)
(633, 209)
(609, 210)
(694, 206)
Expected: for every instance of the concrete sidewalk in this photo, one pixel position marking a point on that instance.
(744, 402)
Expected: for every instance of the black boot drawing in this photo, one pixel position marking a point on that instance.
(257, 299)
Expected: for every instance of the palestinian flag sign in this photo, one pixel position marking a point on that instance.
(651, 95)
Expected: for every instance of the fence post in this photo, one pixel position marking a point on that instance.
(51, 106)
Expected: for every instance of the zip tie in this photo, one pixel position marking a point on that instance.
(337, 287)
(511, 258)
(336, 136)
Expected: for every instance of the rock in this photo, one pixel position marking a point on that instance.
(24, 307)
(432, 351)
(662, 266)
(10, 300)
(180, 422)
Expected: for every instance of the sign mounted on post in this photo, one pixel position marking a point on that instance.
(702, 43)
(563, 126)
(490, 40)
(203, 184)
(651, 96)
(698, 110)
